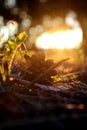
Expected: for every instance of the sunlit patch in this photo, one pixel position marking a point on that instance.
(70, 38)
(60, 33)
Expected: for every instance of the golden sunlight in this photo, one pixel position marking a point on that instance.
(64, 39)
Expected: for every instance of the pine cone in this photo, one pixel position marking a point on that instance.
(38, 66)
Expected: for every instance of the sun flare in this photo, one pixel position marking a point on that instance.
(67, 39)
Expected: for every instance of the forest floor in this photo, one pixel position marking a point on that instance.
(41, 103)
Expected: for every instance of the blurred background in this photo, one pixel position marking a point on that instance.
(50, 24)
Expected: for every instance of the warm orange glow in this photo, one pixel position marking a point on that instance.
(69, 39)
(81, 106)
(11, 79)
(71, 106)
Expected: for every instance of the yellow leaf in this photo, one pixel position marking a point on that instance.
(22, 35)
(10, 42)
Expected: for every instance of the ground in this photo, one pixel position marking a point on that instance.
(41, 103)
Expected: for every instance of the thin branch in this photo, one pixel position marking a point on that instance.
(28, 83)
(75, 73)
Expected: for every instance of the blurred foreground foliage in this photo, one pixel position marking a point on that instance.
(11, 49)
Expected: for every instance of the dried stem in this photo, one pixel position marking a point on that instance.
(12, 57)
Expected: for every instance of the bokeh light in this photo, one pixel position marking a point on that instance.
(60, 33)
(10, 3)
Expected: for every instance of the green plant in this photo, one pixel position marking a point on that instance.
(7, 54)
